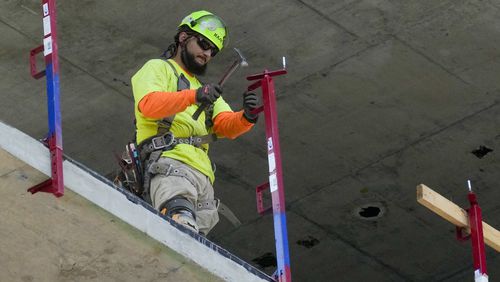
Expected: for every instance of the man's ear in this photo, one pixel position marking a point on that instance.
(183, 36)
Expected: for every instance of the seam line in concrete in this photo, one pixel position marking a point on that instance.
(390, 154)
(62, 58)
(312, 8)
(432, 134)
(328, 68)
(8, 172)
(336, 236)
(458, 272)
(129, 97)
(430, 59)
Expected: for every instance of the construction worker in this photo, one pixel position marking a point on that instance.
(173, 145)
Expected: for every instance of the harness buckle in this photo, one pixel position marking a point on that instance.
(163, 141)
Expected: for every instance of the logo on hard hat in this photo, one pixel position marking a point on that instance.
(218, 37)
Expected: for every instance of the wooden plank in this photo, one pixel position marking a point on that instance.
(454, 214)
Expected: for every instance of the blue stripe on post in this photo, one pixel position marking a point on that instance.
(57, 112)
(53, 105)
(50, 98)
(281, 237)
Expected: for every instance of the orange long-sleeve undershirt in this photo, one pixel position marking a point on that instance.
(163, 104)
(231, 124)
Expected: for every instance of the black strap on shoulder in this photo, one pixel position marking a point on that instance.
(183, 83)
(209, 112)
(172, 66)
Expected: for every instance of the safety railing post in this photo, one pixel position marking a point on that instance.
(276, 187)
(55, 184)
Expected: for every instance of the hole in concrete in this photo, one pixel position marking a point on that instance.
(482, 151)
(370, 211)
(266, 260)
(308, 242)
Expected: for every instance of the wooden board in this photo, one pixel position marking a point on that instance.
(454, 214)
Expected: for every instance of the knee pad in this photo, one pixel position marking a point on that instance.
(178, 204)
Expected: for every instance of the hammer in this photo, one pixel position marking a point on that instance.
(240, 61)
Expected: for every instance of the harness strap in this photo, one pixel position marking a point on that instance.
(151, 149)
(167, 141)
(196, 141)
(153, 158)
(182, 83)
(229, 215)
(216, 204)
(164, 125)
(209, 113)
(159, 168)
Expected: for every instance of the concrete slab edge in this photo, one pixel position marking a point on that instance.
(122, 204)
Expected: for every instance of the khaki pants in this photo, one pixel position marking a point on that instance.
(183, 180)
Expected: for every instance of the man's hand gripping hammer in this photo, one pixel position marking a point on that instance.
(240, 61)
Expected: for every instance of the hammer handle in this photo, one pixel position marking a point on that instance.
(223, 80)
(229, 72)
(200, 109)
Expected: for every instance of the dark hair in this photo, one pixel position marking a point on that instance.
(172, 48)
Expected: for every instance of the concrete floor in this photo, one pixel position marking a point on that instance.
(71, 239)
(380, 96)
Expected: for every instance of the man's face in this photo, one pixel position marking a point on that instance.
(194, 56)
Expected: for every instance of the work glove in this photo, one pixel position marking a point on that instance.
(250, 102)
(208, 93)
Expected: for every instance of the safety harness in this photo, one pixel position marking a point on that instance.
(153, 147)
(140, 163)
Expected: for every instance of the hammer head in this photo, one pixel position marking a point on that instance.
(242, 60)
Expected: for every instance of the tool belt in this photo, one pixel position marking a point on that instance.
(167, 142)
(136, 161)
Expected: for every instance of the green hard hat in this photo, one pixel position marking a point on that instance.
(208, 25)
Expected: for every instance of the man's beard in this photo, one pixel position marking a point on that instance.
(191, 65)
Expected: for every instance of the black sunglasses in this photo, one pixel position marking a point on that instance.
(205, 45)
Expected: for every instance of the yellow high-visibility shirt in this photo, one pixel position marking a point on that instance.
(157, 76)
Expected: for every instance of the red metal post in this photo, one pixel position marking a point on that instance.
(55, 184)
(277, 189)
(477, 239)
